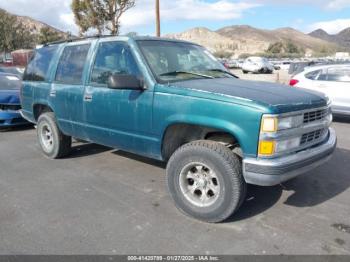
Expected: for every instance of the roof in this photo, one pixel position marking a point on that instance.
(317, 67)
(136, 38)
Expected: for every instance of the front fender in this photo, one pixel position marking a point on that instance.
(247, 144)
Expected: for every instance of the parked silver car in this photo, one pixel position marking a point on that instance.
(256, 64)
(332, 80)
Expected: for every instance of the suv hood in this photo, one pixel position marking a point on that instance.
(9, 97)
(279, 98)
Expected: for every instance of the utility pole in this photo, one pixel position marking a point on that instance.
(157, 19)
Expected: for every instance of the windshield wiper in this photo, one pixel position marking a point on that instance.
(185, 72)
(222, 71)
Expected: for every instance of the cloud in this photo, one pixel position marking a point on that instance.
(182, 10)
(331, 27)
(58, 13)
(330, 5)
(338, 4)
(53, 12)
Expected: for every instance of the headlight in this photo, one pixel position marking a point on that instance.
(269, 124)
(274, 123)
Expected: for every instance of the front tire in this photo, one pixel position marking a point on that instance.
(205, 180)
(52, 141)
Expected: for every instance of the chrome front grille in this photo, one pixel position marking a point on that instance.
(317, 115)
(313, 137)
(10, 107)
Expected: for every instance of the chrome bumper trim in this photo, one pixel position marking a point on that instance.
(269, 172)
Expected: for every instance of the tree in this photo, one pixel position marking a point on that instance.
(291, 48)
(100, 14)
(14, 35)
(275, 48)
(222, 54)
(48, 35)
(86, 16)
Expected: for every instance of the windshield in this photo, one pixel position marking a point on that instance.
(177, 61)
(11, 70)
(9, 82)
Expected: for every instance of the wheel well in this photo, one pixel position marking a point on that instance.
(180, 134)
(39, 109)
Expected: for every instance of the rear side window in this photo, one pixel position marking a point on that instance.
(39, 65)
(339, 74)
(71, 65)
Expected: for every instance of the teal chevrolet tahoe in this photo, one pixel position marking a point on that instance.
(173, 101)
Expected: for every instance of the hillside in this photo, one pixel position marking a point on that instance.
(212, 40)
(246, 39)
(342, 38)
(35, 26)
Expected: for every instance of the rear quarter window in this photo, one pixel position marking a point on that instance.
(39, 65)
(313, 75)
(71, 65)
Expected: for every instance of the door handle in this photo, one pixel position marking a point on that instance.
(53, 93)
(87, 98)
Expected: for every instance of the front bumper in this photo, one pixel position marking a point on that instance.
(11, 118)
(269, 172)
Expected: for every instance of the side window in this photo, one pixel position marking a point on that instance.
(71, 65)
(39, 64)
(339, 74)
(323, 76)
(313, 75)
(113, 58)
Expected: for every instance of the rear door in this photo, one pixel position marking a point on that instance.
(36, 79)
(67, 90)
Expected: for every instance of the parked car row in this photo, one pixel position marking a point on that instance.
(257, 64)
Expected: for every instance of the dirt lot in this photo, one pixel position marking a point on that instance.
(104, 201)
(280, 76)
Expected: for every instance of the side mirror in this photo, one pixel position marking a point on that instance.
(124, 81)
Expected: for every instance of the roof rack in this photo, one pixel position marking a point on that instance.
(75, 39)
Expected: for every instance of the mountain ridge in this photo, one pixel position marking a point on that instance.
(34, 25)
(241, 39)
(342, 38)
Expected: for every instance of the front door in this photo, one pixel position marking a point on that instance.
(120, 118)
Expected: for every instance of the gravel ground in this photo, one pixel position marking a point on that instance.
(104, 201)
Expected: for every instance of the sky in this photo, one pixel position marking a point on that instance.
(180, 15)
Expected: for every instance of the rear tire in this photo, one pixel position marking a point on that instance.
(52, 141)
(205, 180)
(245, 72)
